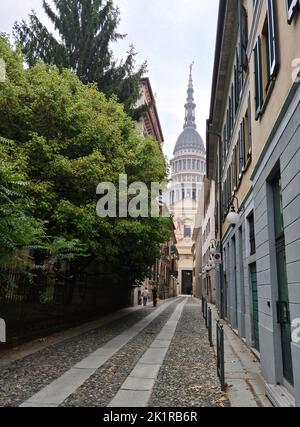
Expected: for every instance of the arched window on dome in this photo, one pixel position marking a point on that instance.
(172, 197)
(194, 195)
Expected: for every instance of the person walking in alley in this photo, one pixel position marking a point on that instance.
(155, 295)
(145, 295)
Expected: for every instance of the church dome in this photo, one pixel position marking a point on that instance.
(189, 140)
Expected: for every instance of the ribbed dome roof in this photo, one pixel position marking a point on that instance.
(189, 140)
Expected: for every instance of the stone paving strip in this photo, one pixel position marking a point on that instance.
(188, 377)
(137, 389)
(58, 391)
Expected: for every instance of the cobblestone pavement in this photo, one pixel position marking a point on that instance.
(186, 378)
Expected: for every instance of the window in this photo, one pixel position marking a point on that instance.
(232, 107)
(265, 58)
(272, 42)
(235, 169)
(172, 197)
(187, 231)
(243, 18)
(224, 145)
(291, 7)
(248, 129)
(228, 131)
(238, 80)
(252, 234)
(242, 147)
(223, 202)
(229, 185)
(258, 79)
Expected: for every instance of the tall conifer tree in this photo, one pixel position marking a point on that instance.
(86, 30)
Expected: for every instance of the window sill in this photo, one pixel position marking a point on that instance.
(266, 100)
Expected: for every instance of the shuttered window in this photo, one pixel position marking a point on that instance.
(249, 118)
(242, 147)
(272, 42)
(258, 78)
(243, 24)
(235, 169)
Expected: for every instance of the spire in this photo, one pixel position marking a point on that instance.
(190, 106)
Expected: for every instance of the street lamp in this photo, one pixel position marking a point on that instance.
(213, 247)
(208, 268)
(234, 217)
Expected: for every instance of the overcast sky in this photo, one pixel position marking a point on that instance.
(169, 34)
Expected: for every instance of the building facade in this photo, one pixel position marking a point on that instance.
(253, 149)
(208, 240)
(149, 124)
(188, 168)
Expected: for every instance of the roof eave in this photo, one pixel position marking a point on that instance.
(224, 50)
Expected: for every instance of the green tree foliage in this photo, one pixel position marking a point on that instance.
(18, 229)
(86, 29)
(69, 138)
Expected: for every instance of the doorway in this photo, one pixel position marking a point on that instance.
(283, 304)
(255, 312)
(187, 282)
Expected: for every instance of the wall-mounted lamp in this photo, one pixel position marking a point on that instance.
(208, 268)
(234, 216)
(213, 247)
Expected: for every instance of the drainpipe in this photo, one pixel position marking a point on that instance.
(222, 302)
